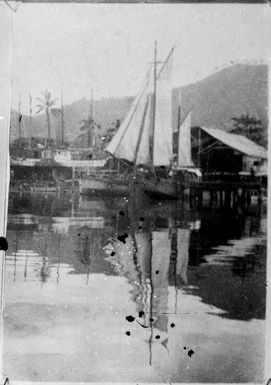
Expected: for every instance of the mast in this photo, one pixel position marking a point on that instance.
(154, 101)
(90, 136)
(30, 122)
(178, 134)
(20, 117)
(199, 147)
(178, 126)
(62, 119)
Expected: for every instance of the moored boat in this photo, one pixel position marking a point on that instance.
(145, 138)
(144, 143)
(111, 183)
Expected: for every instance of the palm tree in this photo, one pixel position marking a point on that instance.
(88, 126)
(46, 104)
(111, 131)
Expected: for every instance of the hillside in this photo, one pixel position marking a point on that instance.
(230, 92)
(215, 100)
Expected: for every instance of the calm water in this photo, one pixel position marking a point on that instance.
(192, 282)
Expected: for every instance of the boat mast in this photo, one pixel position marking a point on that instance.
(199, 147)
(20, 117)
(91, 121)
(179, 122)
(62, 119)
(154, 100)
(30, 121)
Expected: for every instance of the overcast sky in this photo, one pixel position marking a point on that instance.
(107, 47)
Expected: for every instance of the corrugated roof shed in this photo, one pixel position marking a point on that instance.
(237, 142)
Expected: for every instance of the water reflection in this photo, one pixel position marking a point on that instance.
(176, 263)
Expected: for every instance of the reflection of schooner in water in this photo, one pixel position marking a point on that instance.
(148, 259)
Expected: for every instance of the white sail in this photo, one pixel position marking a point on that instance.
(132, 140)
(163, 151)
(133, 134)
(184, 143)
(183, 243)
(143, 155)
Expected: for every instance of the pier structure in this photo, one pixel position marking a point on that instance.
(234, 169)
(224, 193)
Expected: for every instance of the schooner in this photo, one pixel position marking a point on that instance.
(145, 138)
(144, 141)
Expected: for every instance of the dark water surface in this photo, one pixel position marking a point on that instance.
(193, 284)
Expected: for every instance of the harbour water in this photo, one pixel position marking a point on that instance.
(113, 290)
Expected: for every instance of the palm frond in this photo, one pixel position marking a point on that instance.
(83, 121)
(50, 103)
(40, 100)
(47, 96)
(56, 112)
(39, 110)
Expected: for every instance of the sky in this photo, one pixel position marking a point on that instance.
(108, 47)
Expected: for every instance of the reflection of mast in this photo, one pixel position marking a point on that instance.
(86, 256)
(181, 259)
(175, 268)
(58, 260)
(183, 242)
(87, 275)
(151, 302)
(159, 266)
(44, 272)
(161, 241)
(15, 259)
(25, 266)
(83, 251)
(142, 260)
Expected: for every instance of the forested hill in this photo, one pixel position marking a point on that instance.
(231, 92)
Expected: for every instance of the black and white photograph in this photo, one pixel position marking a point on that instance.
(134, 189)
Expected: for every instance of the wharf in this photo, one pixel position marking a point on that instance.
(226, 193)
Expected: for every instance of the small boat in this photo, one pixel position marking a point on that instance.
(28, 162)
(102, 182)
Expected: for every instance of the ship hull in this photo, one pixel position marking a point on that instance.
(162, 189)
(103, 186)
(90, 164)
(156, 188)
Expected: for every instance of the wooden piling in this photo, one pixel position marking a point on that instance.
(227, 198)
(221, 198)
(200, 198)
